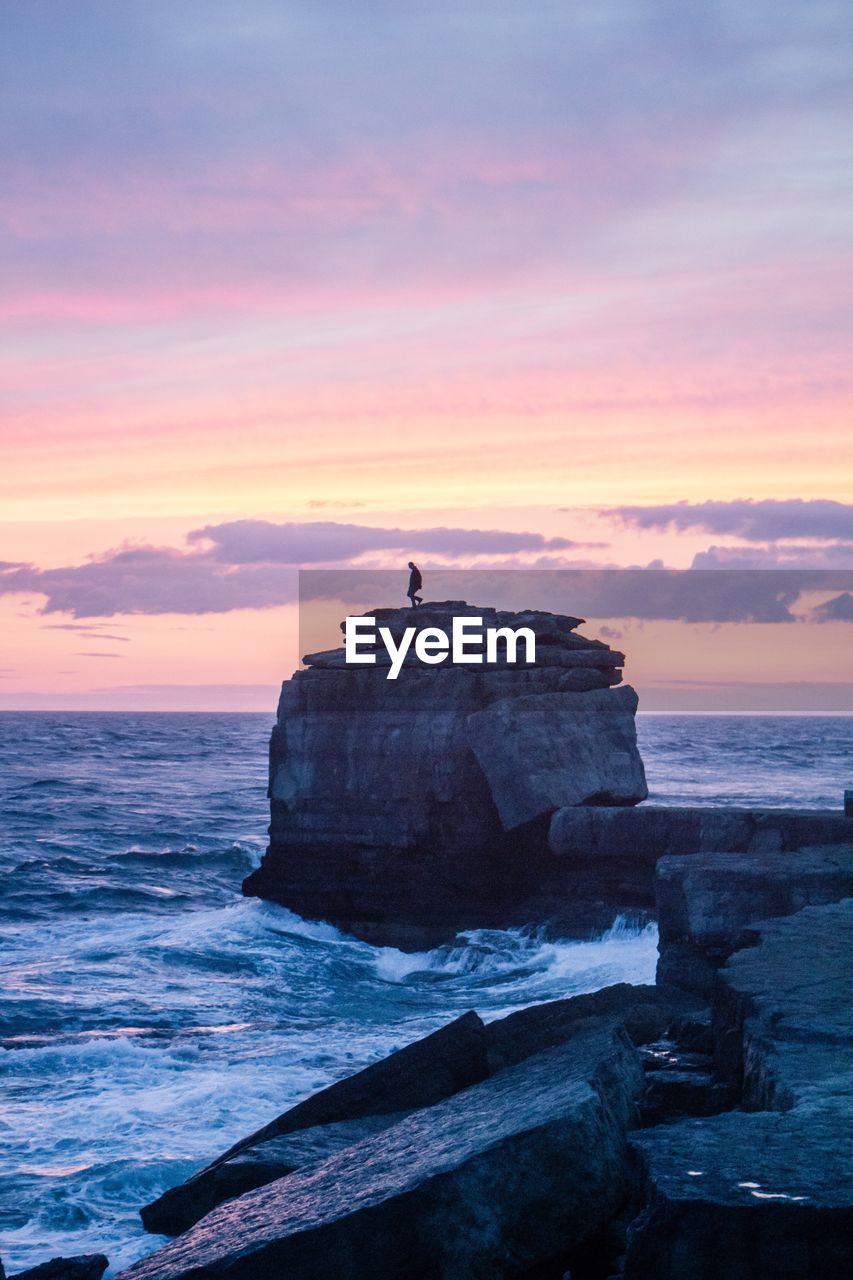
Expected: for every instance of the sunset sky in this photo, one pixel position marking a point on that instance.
(344, 282)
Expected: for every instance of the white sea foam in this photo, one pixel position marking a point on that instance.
(143, 1031)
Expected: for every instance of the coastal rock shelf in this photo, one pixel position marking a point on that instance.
(692, 1130)
(405, 809)
(485, 796)
(513, 1154)
(687, 1131)
(545, 1144)
(764, 1192)
(707, 904)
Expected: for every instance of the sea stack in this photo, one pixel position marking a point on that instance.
(403, 809)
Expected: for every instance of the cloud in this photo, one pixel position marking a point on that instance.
(200, 147)
(83, 629)
(653, 594)
(317, 503)
(243, 564)
(318, 542)
(768, 520)
(251, 564)
(153, 580)
(830, 556)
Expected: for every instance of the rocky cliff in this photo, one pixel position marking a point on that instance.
(404, 809)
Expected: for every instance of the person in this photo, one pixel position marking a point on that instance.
(415, 584)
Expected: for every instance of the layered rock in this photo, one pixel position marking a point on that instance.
(706, 904)
(649, 833)
(88, 1266)
(416, 1076)
(503, 1175)
(403, 810)
(610, 855)
(764, 1195)
(460, 1054)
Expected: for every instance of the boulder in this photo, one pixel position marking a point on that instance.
(461, 1053)
(541, 752)
(505, 1175)
(707, 903)
(89, 1266)
(745, 1197)
(254, 1166)
(645, 1013)
(418, 1075)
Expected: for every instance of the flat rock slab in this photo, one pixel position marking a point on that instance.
(784, 1011)
(87, 1266)
(708, 902)
(417, 1075)
(506, 1174)
(182, 1206)
(543, 751)
(644, 1011)
(414, 1077)
(651, 831)
(765, 1196)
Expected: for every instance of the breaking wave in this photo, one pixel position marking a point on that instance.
(152, 1016)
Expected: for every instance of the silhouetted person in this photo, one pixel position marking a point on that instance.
(415, 584)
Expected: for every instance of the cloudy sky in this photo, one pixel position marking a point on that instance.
(315, 284)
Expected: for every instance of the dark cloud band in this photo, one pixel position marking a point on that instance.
(768, 520)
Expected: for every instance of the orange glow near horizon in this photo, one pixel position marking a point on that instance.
(254, 275)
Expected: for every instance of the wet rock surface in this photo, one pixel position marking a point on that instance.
(501, 1176)
(630, 1130)
(462, 1053)
(89, 1266)
(707, 903)
(418, 1075)
(763, 1194)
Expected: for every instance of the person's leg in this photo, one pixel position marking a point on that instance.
(412, 599)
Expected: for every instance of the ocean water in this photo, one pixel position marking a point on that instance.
(150, 1015)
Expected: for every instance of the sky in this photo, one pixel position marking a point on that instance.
(337, 284)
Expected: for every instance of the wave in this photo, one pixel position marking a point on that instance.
(531, 958)
(153, 1016)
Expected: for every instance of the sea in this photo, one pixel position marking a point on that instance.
(150, 1015)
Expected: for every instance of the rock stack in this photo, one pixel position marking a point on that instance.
(404, 809)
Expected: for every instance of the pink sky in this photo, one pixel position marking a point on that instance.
(499, 269)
